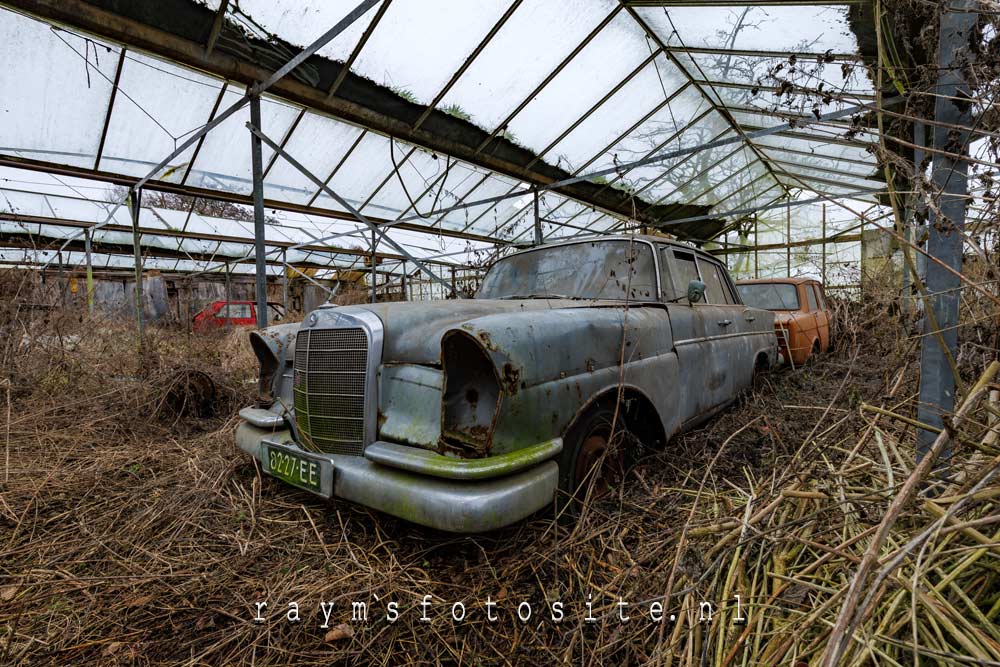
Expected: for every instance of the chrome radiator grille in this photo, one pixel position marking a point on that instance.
(331, 369)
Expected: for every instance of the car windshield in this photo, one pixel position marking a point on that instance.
(607, 269)
(770, 296)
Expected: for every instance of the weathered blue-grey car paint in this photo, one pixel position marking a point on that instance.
(466, 399)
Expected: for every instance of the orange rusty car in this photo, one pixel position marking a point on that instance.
(801, 318)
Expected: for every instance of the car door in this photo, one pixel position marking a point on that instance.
(690, 336)
(731, 347)
(811, 320)
(822, 317)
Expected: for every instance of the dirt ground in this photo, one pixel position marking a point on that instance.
(133, 532)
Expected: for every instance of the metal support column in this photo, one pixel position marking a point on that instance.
(949, 176)
(284, 279)
(756, 245)
(788, 239)
(823, 258)
(229, 295)
(538, 222)
(919, 209)
(374, 271)
(402, 282)
(135, 204)
(258, 215)
(90, 273)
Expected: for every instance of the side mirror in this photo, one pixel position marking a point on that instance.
(696, 291)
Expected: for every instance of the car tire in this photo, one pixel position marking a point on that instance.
(589, 443)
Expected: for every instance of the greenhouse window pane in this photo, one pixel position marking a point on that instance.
(821, 149)
(665, 175)
(422, 173)
(806, 75)
(506, 72)
(361, 173)
(56, 90)
(420, 44)
(652, 85)
(654, 132)
(804, 28)
(603, 63)
(319, 144)
(302, 23)
(157, 108)
(224, 160)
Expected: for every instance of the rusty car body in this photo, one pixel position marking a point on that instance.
(801, 317)
(468, 415)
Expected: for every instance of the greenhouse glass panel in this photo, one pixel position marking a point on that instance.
(319, 144)
(804, 28)
(594, 72)
(419, 44)
(302, 23)
(157, 108)
(506, 72)
(56, 90)
(224, 160)
(657, 81)
(844, 78)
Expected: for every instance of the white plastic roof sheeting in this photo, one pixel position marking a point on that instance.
(64, 83)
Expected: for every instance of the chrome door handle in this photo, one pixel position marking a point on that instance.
(724, 323)
(750, 318)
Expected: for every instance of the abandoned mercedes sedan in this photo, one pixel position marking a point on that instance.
(468, 415)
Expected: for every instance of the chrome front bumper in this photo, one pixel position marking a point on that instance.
(471, 504)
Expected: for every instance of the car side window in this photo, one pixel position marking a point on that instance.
(811, 297)
(716, 288)
(820, 298)
(236, 311)
(666, 283)
(684, 270)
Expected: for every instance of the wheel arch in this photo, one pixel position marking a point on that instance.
(639, 413)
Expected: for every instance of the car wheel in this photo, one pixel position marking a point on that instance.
(593, 459)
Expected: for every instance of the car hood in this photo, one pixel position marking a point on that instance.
(413, 330)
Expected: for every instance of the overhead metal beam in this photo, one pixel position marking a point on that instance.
(111, 106)
(217, 22)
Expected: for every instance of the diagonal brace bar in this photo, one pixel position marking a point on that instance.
(382, 236)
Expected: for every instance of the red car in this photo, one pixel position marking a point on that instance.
(234, 314)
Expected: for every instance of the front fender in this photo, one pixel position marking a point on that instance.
(552, 363)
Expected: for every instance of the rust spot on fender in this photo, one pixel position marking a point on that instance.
(510, 378)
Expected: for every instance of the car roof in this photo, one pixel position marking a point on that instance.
(648, 238)
(778, 281)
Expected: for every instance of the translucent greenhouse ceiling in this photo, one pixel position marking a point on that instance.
(584, 85)
(40, 207)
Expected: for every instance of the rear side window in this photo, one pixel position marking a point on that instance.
(235, 311)
(819, 296)
(811, 297)
(666, 283)
(716, 289)
(684, 270)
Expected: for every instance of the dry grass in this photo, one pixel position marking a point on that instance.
(132, 533)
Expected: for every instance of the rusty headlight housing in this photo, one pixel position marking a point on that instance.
(470, 397)
(269, 366)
